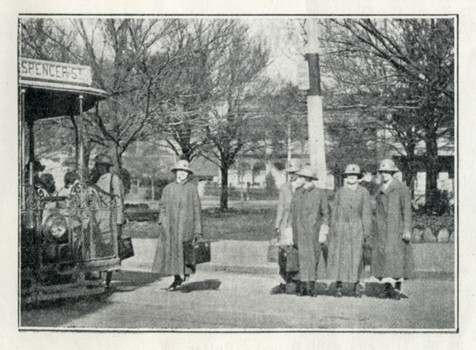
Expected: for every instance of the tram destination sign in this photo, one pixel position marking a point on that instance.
(55, 71)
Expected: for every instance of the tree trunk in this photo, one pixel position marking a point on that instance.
(116, 152)
(409, 173)
(409, 168)
(184, 142)
(432, 169)
(224, 186)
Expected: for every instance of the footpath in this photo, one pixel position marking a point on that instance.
(432, 260)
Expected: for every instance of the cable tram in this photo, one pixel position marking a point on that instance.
(68, 242)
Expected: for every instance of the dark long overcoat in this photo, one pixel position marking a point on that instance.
(283, 215)
(351, 222)
(310, 210)
(391, 256)
(180, 216)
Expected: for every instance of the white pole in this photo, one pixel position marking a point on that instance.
(314, 105)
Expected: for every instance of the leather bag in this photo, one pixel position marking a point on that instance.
(125, 248)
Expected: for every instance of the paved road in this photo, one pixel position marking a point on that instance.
(221, 300)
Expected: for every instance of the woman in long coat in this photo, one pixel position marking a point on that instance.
(310, 222)
(392, 253)
(283, 226)
(180, 216)
(283, 213)
(350, 225)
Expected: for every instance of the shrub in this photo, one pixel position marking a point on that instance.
(433, 222)
(440, 203)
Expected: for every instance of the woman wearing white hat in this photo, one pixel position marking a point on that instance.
(180, 215)
(350, 225)
(283, 225)
(310, 220)
(392, 253)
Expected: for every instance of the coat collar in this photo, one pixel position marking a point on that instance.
(352, 188)
(390, 188)
(187, 180)
(104, 176)
(308, 189)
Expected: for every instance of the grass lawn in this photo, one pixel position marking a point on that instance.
(255, 224)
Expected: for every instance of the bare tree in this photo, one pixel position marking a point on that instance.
(286, 118)
(196, 47)
(123, 54)
(48, 39)
(401, 71)
(232, 129)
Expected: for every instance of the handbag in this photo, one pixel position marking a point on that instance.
(125, 248)
(198, 252)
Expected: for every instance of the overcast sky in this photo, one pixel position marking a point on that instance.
(284, 38)
(282, 34)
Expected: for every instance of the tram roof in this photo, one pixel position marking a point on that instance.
(52, 89)
(45, 99)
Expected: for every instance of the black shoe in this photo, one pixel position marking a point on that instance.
(387, 293)
(395, 295)
(280, 289)
(311, 290)
(302, 289)
(175, 285)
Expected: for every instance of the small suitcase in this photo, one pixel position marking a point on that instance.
(125, 248)
(288, 259)
(196, 252)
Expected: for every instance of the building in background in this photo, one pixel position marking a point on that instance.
(390, 148)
